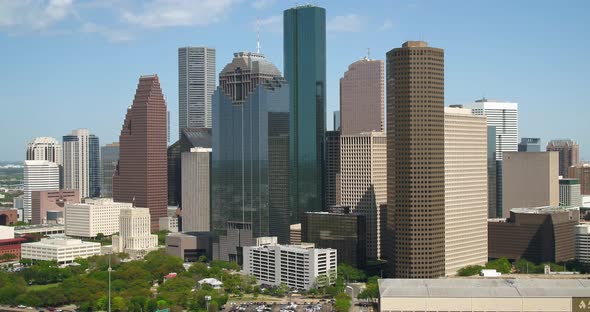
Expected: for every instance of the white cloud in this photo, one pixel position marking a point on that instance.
(346, 23)
(166, 13)
(263, 4)
(33, 15)
(109, 33)
(272, 24)
(387, 25)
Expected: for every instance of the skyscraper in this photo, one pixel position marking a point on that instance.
(46, 148)
(362, 97)
(466, 192)
(569, 154)
(196, 198)
(415, 161)
(503, 116)
(332, 168)
(140, 176)
(109, 156)
(39, 175)
(529, 145)
(196, 84)
(249, 159)
(336, 121)
(304, 49)
(81, 156)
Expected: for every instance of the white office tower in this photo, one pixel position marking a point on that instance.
(569, 193)
(196, 85)
(583, 242)
(94, 216)
(503, 116)
(466, 190)
(297, 266)
(134, 236)
(196, 188)
(363, 181)
(39, 175)
(81, 158)
(45, 148)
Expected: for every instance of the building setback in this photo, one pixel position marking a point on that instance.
(109, 156)
(141, 174)
(304, 46)
(362, 97)
(582, 173)
(415, 162)
(196, 193)
(541, 234)
(530, 179)
(569, 154)
(466, 192)
(81, 156)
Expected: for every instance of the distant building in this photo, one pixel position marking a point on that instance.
(530, 179)
(109, 157)
(82, 163)
(189, 246)
(39, 175)
(295, 237)
(541, 234)
(362, 97)
(332, 191)
(466, 192)
(134, 236)
(569, 193)
(569, 154)
(48, 206)
(494, 188)
(582, 173)
(343, 231)
(336, 121)
(46, 148)
(529, 145)
(94, 216)
(297, 266)
(62, 250)
(196, 190)
(141, 174)
(477, 294)
(583, 243)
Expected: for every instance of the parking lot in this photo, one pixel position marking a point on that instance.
(295, 306)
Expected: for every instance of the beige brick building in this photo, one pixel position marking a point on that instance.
(363, 181)
(466, 192)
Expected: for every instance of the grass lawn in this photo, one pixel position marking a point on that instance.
(42, 287)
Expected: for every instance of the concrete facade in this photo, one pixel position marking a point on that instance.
(39, 175)
(583, 242)
(189, 247)
(100, 215)
(196, 190)
(47, 205)
(530, 179)
(59, 249)
(569, 193)
(582, 173)
(134, 235)
(466, 192)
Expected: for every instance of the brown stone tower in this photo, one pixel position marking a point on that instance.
(415, 245)
(141, 174)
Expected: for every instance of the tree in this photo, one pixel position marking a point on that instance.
(470, 270)
(99, 236)
(501, 265)
(350, 274)
(119, 304)
(342, 303)
(7, 257)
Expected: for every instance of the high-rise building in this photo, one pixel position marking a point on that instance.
(39, 175)
(332, 191)
(109, 156)
(530, 180)
(46, 148)
(503, 116)
(466, 192)
(529, 145)
(81, 157)
(569, 154)
(196, 84)
(304, 46)
(196, 190)
(415, 161)
(249, 159)
(583, 242)
(363, 181)
(189, 138)
(336, 121)
(569, 193)
(141, 175)
(134, 236)
(582, 173)
(493, 206)
(362, 97)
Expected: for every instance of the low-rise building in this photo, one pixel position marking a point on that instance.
(8, 216)
(6, 232)
(40, 229)
(134, 236)
(48, 206)
(169, 224)
(94, 216)
(297, 266)
(62, 250)
(476, 294)
(583, 243)
(11, 246)
(189, 247)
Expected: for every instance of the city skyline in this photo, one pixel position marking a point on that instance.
(515, 80)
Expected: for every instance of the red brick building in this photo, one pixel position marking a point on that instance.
(8, 216)
(11, 246)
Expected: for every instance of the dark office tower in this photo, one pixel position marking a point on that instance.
(109, 156)
(529, 145)
(332, 191)
(494, 195)
(305, 70)
(250, 151)
(569, 154)
(415, 161)
(140, 176)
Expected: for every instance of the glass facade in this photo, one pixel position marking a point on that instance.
(250, 149)
(305, 70)
(109, 156)
(94, 166)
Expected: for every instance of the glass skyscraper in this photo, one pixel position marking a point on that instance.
(305, 70)
(250, 148)
(81, 157)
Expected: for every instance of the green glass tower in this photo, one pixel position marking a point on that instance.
(305, 70)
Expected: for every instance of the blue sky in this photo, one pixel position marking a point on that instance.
(69, 64)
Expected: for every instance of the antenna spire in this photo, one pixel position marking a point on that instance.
(368, 54)
(257, 35)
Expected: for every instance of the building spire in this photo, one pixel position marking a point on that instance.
(257, 35)
(368, 57)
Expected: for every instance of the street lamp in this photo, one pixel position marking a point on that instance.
(110, 269)
(207, 299)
